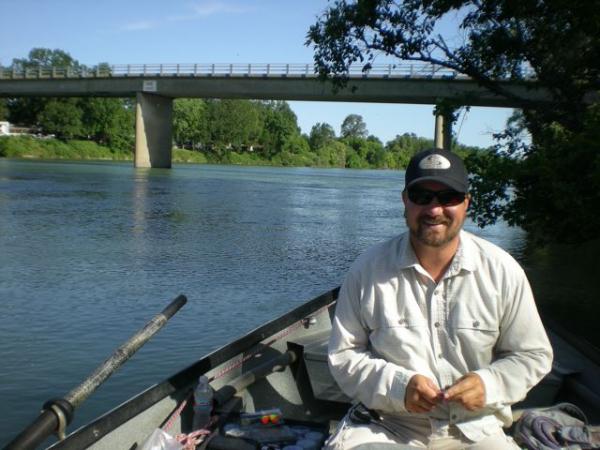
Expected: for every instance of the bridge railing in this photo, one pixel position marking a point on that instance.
(406, 70)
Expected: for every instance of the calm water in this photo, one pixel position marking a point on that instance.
(90, 252)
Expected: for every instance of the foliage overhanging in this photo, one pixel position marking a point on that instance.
(547, 183)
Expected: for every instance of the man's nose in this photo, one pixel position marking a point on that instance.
(434, 205)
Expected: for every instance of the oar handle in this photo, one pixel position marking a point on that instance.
(56, 414)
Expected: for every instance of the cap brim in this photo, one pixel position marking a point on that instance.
(452, 184)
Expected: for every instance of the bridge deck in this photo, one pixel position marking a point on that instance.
(412, 70)
(402, 83)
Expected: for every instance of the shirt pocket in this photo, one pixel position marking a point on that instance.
(400, 322)
(399, 338)
(475, 334)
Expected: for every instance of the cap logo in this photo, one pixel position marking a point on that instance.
(434, 162)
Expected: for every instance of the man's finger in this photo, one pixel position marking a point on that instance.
(469, 391)
(416, 397)
(462, 385)
(456, 391)
(429, 391)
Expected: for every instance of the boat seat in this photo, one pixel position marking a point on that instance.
(314, 353)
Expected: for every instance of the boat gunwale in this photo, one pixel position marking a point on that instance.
(585, 347)
(95, 430)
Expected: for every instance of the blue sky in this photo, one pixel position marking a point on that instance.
(211, 31)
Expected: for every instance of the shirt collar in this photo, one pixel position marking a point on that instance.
(407, 254)
(463, 259)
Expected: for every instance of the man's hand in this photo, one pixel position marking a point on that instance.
(422, 395)
(468, 390)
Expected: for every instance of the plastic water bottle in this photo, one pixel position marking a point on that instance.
(203, 400)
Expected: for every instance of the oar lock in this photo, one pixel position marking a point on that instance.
(63, 411)
(308, 321)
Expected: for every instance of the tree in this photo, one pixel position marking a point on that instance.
(280, 122)
(44, 57)
(496, 41)
(233, 123)
(3, 109)
(25, 110)
(332, 154)
(354, 126)
(108, 121)
(402, 148)
(62, 117)
(320, 134)
(190, 120)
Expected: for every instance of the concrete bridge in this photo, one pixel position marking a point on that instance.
(156, 85)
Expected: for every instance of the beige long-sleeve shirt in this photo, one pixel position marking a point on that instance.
(393, 321)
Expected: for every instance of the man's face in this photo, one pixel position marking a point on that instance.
(434, 225)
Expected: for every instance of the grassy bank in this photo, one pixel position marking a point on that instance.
(30, 147)
(27, 147)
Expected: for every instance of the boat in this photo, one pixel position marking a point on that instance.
(282, 365)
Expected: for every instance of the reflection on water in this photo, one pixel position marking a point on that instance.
(89, 252)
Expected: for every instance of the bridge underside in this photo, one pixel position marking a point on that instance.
(377, 90)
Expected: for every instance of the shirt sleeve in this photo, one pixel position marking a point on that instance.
(523, 354)
(375, 382)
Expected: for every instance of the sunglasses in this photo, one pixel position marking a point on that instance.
(448, 197)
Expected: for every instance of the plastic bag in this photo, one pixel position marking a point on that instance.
(161, 440)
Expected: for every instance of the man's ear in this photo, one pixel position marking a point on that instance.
(404, 198)
(468, 200)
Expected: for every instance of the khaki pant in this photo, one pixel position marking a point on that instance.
(412, 436)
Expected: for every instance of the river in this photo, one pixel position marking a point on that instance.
(90, 251)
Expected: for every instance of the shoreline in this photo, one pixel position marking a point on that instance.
(51, 149)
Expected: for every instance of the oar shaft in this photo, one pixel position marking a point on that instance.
(48, 421)
(36, 433)
(123, 353)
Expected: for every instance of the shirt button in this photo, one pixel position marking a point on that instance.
(437, 324)
(453, 416)
(476, 324)
(441, 356)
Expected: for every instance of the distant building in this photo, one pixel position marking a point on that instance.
(4, 128)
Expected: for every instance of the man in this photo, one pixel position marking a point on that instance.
(436, 332)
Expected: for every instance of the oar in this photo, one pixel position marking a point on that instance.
(57, 414)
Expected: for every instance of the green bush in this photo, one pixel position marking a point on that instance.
(188, 156)
(247, 159)
(31, 147)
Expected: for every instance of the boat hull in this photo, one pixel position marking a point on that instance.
(283, 364)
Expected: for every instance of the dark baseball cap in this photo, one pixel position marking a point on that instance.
(438, 165)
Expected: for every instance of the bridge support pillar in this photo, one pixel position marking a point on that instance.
(443, 128)
(153, 131)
